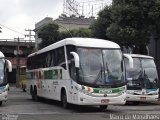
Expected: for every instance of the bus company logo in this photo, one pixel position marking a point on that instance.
(105, 91)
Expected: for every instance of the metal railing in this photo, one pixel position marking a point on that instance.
(13, 40)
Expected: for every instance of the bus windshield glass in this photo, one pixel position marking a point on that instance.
(1, 71)
(143, 75)
(100, 66)
(150, 73)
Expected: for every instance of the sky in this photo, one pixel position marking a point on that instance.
(18, 15)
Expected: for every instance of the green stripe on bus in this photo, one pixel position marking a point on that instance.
(106, 90)
(95, 90)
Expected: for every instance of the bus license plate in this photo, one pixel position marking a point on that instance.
(143, 98)
(105, 101)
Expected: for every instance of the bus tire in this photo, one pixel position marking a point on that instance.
(31, 90)
(64, 99)
(103, 107)
(35, 97)
(0, 103)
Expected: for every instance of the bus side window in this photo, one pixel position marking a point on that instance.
(72, 69)
(5, 73)
(71, 63)
(53, 55)
(60, 57)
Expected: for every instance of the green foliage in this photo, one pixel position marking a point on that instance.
(65, 34)
(81, 32)
(129, 22)
(98, 28)
(49, 34)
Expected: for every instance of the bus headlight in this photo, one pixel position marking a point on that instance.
(153, 93)
(86, 92)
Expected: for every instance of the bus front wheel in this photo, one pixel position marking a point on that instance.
(34, 93)
(64, 99)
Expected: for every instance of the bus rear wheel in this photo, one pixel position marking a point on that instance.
(103, 107)
(34, 93)
(35, 97)
(64, 100)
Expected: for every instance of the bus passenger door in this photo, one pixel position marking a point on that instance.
(72, 71)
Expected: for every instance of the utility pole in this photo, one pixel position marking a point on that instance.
(29, 35)
(17, 53)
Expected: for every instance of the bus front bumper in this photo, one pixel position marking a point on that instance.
(147, 98)
(90, 100)
(4, 96)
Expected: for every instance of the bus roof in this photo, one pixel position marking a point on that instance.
(83, 42)
(140, 56)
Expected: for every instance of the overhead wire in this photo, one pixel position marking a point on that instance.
(11, 29)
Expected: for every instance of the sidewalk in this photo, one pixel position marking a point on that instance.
(13, 87)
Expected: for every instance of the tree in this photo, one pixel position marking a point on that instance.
(49, 34)
(81, 32)
(99, 26)
(65, 34)
(132, 22)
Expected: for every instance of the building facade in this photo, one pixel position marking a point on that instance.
(65, 24)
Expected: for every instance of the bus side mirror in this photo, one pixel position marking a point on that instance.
(76, 59)
(9, 65)
(130, 62)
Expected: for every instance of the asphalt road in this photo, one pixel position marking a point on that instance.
(20, 107)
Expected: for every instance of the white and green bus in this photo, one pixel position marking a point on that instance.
(81, 71)
(142, 79)
(5, 67)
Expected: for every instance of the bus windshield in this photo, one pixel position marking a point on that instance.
(143, 75)
(1, 71)
(100, 66)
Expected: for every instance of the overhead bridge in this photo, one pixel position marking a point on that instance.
(10, 47)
